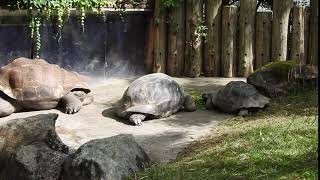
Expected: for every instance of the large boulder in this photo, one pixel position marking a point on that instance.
(277, 78)
(111, 158)
(35, 162)
(31, 149)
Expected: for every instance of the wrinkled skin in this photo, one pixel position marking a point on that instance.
(70, 103)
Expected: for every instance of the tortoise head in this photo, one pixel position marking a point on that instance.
(210, 96)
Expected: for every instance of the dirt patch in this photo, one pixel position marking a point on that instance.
(162, 139)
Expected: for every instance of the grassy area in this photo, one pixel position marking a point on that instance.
(197, 97)
(278, 143)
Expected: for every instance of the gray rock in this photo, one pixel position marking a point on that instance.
(304, 74)
(236, 97)
(109, 159)
(35, 162)
(36, 139)
(278, 78)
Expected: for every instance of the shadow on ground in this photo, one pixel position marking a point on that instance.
(162, 138)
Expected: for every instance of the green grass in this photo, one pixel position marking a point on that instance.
(280, 142)
(197, 97)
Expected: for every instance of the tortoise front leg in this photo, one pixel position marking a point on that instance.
(137, 119)
(70, 103)
(6, 108)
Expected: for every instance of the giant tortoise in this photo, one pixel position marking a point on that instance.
(153, 96)
(27, 84)
(236, 97)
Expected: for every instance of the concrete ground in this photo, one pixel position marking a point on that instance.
(162, 139)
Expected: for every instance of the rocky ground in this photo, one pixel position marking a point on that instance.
(162, 139)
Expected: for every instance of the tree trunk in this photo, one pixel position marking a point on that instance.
(280, 25)
(176, 40)
(212, 46)
(314, 32)
(263, 39)
(297, 50)
(193, 58)
(246, 36)
(229, 41)
(160, 40)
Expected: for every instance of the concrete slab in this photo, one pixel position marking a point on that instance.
(162, 139)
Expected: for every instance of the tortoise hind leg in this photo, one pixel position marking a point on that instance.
(243, 112)
(84, 97)
(6, 108)
(87, 100)
(70, 103)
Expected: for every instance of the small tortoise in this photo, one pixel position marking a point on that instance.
(235, 97)
(27, 84)
(153, 96)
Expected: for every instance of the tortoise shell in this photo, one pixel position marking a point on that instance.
(156, 95)
(238, 95)
(37, 80)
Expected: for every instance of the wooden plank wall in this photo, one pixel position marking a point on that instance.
(238, 40)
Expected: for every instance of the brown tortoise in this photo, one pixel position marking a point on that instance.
(27, 84)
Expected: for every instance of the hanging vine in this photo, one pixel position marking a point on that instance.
(61, 9)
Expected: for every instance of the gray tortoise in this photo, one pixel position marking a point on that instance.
(153, 96)
(236, 97)
(27, 84)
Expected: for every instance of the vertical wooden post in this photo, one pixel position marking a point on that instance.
(193, 58)
(314, 32)
(280, 23)
(160, 40)
(149, 44)
(263, 38)
(176, 40)
(246, 36)
(306, 34)
(297, 50)
(228, 41)
(212, 46)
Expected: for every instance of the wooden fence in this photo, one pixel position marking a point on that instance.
(238, 38)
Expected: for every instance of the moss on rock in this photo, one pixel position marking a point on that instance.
(279, 69)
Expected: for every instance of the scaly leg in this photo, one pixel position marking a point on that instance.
(70, 103)
(6, 108)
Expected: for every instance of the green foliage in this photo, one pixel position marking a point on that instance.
(197, 97)
(201, 32)
(170, 3)
(278, 143)
(60, 8)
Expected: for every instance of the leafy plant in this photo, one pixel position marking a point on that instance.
(201, 31)
(40, 9)
(170, 3)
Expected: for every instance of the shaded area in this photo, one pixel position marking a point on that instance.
(15, 40)
(110, 46)
(163, 145)
(111, 113)
(107, 46)
(163, 138)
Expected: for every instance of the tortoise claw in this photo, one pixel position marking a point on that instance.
(137, 119)
(72, 108)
